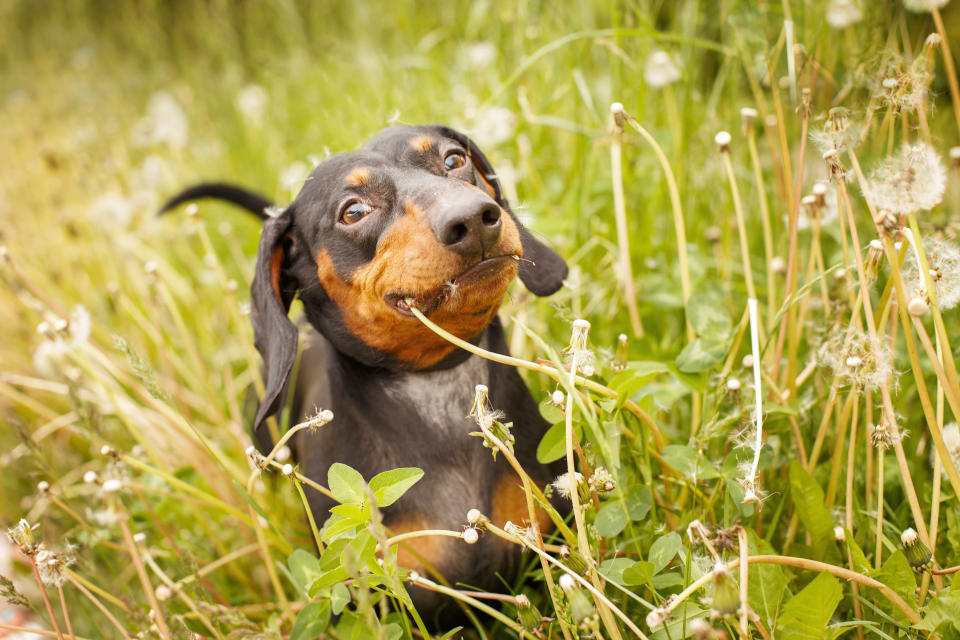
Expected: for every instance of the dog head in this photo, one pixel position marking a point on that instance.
(417, 217)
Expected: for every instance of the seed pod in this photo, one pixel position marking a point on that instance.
(528, 614)
(574, 560)
(726, 599)
(918, 555)
(581, 607)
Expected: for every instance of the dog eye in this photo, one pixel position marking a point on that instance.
(454, 160)
(354, 212)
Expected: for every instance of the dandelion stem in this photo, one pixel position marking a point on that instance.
(66, 614)
(741, 224)
(887, 402)
(948, 66)
(767, 228)
(878, 552)
(809, 565)
(309, 512)
(430, 585)
(620, 216)
(46, 599)
(548, 370)
(144, 579)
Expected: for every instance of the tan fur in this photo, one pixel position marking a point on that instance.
(358, 177)
(422, 143)
(409, 259)
(510, 504)
(423, 553)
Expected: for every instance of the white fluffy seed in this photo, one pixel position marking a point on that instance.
(723, 139)
(557, 397)
(473, 516)
(470, 536)
(90, 477)
(567, 582)
(112, 486)
(733, 384)
(918, 307)
(287, 469)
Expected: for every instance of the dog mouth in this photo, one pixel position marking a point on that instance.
(430, 301)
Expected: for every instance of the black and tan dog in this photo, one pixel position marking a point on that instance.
(417, 217)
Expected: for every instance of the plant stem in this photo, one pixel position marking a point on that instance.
(620, 216)
(46, 599)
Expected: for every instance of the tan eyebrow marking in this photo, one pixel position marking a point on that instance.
(357, 177)
(422, 143)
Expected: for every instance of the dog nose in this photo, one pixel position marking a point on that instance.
(470, 228)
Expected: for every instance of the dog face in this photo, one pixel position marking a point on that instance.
(417, 218)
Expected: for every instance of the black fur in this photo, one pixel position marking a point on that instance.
(387, 414)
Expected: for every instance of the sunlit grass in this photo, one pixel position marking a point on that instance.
(128, 355)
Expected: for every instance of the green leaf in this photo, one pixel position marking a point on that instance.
(702, 354)
(330, 578)
(685, 460)
(389, 486)
(339, 598)
(708, 317)
(611, 519)
(337, 525)
(346, 484)
(941, 614)
(613, 568)
(805, 616)
(304, 568)
(813, 513)
(663, 550)
(638, 499)
(766, 583)
(312, 620)
(896, 574)
(639, 573)
(553, 444)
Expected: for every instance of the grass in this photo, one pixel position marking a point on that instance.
(124, 433)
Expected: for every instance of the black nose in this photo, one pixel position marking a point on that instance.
(469, 228)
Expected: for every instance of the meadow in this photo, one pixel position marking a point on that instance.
(758, 203)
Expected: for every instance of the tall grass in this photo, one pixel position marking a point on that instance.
(786, 472)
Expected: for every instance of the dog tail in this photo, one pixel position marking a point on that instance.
(249, 200)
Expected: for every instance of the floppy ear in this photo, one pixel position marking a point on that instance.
(542, 270)
(271, 294)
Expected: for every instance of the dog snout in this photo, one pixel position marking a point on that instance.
(469, 228)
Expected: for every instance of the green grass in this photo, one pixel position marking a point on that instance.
(163, 376)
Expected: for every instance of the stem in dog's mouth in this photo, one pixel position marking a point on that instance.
(431, 300)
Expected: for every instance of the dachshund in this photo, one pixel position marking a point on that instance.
(415, 218)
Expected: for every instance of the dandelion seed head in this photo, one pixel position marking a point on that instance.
(90, 477)
(656, 617)
(163, 592)
(913, 181)
(857, 360)
(659, 69)
(112, 485)
(839, 534)
(723, 140)
(140, 537)
(943, 259)
(921, 6)
(251, 101)
(51, 566)
(562, 483)
(748, 361)
(43, 486)
(918, 307)
(951, 439)
(843, 13)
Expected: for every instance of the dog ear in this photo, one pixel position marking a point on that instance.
(542, 270)
(275, 336)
